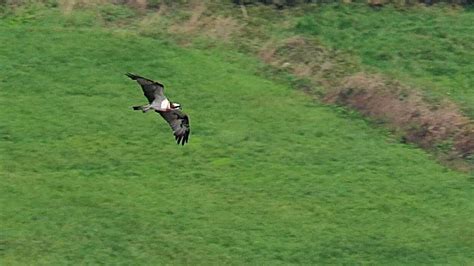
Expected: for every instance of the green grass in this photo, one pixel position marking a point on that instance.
(432, 48)
(269, 175)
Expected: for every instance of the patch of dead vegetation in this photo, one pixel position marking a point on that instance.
(308, 59)
(196, 11)
(201, 22)
(67, 6)
(439, 127)
(138, 4)
(222, 28)
(431, 126)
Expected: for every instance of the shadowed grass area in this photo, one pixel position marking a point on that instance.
(269, 176)
(432, 47)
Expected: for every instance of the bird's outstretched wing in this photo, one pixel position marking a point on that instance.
(151, 89)
(179, 123)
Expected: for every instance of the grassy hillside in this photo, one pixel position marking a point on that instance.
(431, 47)
(269, 175)
(301, 41)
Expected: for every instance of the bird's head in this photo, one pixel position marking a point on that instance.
(175, 106)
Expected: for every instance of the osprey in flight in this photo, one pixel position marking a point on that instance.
(171, 112)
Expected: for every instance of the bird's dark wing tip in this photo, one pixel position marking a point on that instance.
(182, 139)
(131, 75)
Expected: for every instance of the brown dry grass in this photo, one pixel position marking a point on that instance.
(428, 125)
(440, 127)
(192, 24)
(67, 6)
(203, 23)
(308, 59)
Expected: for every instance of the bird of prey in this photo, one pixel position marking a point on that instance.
(171, 112)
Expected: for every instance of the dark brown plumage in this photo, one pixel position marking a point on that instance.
(171, 112)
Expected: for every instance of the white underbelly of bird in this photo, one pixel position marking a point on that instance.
(162, 106)
(165, 105)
